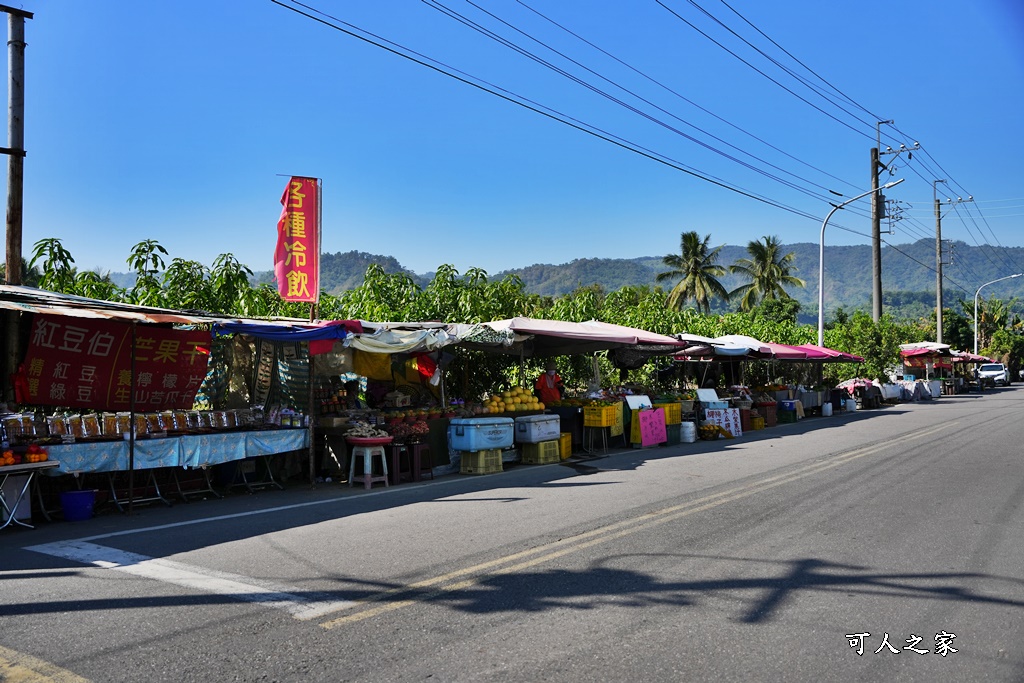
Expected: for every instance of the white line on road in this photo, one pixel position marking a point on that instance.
(206, 580)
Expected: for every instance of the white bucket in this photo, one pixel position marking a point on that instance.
(687, 432)
(826, 410)
(851, 404)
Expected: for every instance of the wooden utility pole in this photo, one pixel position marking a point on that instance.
(938, 270)
(15, 173)
(876, 240)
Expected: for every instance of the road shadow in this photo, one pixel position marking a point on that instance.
(762, 592)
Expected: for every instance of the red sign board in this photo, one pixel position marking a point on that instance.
(86, 363)
(297, 256)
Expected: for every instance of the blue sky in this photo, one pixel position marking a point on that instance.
(175, 122)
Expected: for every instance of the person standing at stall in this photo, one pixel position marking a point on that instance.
(549, 387)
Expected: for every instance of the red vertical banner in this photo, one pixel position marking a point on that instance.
(297, 256)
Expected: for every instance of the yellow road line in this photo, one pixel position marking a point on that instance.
(18, 667)
(603, 534)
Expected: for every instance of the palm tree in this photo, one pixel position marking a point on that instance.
(697, 269)
(768, 272)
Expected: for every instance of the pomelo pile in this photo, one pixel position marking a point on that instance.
(512, 401)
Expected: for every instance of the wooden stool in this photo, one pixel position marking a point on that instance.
(367, 453)
(422, 462)
(396, 451)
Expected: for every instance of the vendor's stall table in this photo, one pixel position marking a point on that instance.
(28, 470)
(187, 450)
(250, 449)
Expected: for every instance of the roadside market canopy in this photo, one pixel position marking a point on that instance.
(32, 300)
(925, 349)
(363, 335)
(826, 355)
(537, 337)
(968, 357)
(743, 347)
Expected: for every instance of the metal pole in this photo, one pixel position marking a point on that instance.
(131, 438)
(976, 295)
(821, 257)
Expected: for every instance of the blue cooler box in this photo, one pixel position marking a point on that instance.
(480, 433)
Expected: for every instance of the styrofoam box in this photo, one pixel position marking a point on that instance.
(480, 433)
(537, 428)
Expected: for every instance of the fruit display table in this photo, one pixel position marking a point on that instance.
(187, 450)
(27, 470)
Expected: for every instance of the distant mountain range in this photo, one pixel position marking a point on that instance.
(908, 274)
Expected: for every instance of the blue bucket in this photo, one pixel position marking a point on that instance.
(77, 505)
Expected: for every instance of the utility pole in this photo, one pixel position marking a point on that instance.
(876, 228)
(938, 264)
(15, 152)
(938, 255)
(877, 213)
(876, 241)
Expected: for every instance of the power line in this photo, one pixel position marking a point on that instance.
(771, 59)
(524, 102)
(526, 53)
(849, 99)
(682, 97)
(805, 101)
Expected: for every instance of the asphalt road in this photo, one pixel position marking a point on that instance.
(760, 558)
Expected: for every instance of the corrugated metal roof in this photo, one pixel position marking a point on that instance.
(32, 300)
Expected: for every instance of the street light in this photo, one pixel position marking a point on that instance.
(821, 256)
(976, 294)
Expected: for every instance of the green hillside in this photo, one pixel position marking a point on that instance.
(908, 276)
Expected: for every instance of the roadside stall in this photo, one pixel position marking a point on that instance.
(586, 422)
(926, 365)
(98, 378)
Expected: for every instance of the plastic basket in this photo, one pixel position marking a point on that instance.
(673, 412)
(481, 462)
(786, 416)
(565, 445)
(541, 453)
(599, 416)
(756, 423)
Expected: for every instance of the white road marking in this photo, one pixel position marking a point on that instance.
(206, 580)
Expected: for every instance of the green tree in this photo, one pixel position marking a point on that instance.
(697, 270)
(96, 285)
(30, 275)
(230, 286)
(777, 309)
(768, 272)
(993, 315)
(878, 343)
(147, 260)
(56, 264)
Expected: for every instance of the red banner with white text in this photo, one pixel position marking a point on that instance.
(297, 256)
(87, 363)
